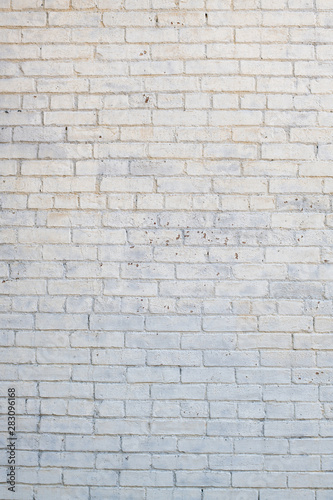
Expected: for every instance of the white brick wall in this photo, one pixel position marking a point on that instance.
(166, 248)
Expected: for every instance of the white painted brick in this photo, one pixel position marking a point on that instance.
(146, 478)
(173, 323)
(235, 493)
(174, 494)
(259, 479)
(166, 258)
(59, 321)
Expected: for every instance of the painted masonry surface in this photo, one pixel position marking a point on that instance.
(166, 272)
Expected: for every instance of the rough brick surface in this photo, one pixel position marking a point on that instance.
(166, 248)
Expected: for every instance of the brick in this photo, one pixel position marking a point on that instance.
(259, 479)
(109, 322)
(204, 479)
(146, 478)
(57, 322)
